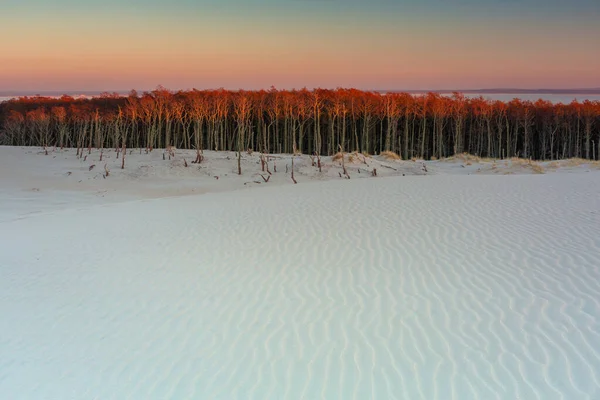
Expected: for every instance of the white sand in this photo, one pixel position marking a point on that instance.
(445, 286)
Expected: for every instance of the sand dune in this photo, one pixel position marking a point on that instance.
(414, 287)
(34, 183)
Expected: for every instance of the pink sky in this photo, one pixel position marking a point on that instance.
(119, 52)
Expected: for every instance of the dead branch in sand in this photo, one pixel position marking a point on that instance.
(171, 151)
(262, 162)
(364, 159)
(318, 160)
(265, 179)
(106, 170)
(343, 163)
(199, 157)
(91, 166)
(123, 154)
(293, 179)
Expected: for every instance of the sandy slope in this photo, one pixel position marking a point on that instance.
(34, 183)
(415, 287)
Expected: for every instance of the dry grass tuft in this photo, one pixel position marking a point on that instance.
(354, 157)
(390, 155)
(467, 158)
(337, 157)
(526, 163)
(519, 161)
(357, 157)
(537, 168)
(578, 162)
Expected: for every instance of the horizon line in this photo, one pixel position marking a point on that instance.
(508, 90)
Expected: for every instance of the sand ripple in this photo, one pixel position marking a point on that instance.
(398, 288)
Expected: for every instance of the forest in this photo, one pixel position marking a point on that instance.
(319, 121)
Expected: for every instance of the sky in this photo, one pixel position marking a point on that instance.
(251, 44)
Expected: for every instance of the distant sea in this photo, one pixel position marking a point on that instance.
(559, 97)
(552, 97)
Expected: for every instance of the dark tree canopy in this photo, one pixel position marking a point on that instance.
(318, 121)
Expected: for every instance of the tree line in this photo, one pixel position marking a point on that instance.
(317, 121)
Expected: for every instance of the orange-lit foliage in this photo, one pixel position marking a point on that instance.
(319, 121)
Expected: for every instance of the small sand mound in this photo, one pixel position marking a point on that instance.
(358, 158)
(465, 157)
(526, 163)
(537, 168)
(351, 158)
(578, 162)
(390, 155)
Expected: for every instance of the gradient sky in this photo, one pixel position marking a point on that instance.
(367, 44)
